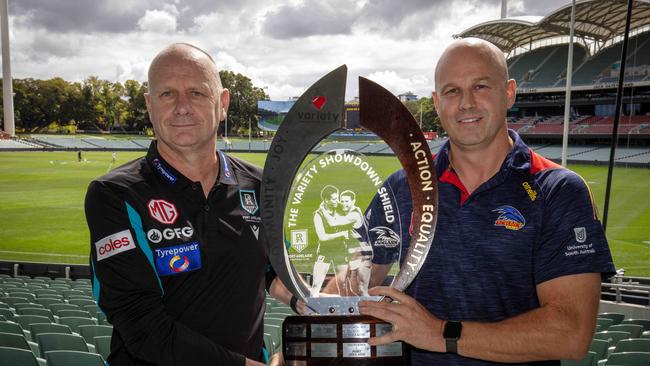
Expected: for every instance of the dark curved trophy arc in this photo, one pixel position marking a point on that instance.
(314, 116)
(385, 115)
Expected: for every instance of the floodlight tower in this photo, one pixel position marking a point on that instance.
(504, 9)
(7, 89)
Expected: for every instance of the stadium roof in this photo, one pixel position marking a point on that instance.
(596, 20)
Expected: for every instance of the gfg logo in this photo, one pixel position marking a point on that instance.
(156, 236)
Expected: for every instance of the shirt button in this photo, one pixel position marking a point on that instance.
(206, 208)
(194, 187)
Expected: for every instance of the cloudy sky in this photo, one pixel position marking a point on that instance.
(283, 46)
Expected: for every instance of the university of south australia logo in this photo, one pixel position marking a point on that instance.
(581, 234)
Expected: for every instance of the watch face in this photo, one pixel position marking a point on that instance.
(452, 330)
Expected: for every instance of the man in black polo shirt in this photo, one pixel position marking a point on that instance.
(179, 263)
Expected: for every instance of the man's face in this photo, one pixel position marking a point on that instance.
(183, 104)
(346, 203)
(472, 98)
(332, 201)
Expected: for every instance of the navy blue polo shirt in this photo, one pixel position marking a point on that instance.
(531, 222)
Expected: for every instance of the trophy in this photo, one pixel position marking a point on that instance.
(327, 214)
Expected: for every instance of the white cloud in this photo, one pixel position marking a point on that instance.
(398, 84)
(401, 57)
(159, 21)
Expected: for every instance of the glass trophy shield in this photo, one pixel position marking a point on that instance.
(331, 228)
(334, 228)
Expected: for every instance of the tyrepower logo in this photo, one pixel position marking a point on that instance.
(163, 211)
(114, 244)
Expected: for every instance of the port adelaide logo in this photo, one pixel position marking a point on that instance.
(248, 201)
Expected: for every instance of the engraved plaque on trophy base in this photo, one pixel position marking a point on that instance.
(338, 340)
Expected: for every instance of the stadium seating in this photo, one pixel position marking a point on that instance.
(633, 345)
(629, 358)
(635, 330)
(10, 356)
(103, 346)
(588, 360)
(39, 328)
(74, 322)
(85, 335)
(57, 342)
(73, 358)
(89, 332)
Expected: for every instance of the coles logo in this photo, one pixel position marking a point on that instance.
(156, 236)
(114, 244)
(163, 211)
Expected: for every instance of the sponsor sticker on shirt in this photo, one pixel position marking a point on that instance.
(114, 244)
(178, 259)
(163, 211)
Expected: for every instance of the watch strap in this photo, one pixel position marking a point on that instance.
(452, 345)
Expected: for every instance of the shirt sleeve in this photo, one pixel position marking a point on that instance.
(572, 240)
(129, 291)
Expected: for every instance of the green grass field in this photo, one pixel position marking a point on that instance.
(42, 218)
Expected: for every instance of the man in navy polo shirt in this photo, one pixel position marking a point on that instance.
(514, 271)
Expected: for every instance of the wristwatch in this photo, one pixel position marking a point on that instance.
(451, 334)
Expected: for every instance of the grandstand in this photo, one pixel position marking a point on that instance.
(52, 319)
(537, 49)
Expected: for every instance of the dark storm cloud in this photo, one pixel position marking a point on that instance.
(308, 19)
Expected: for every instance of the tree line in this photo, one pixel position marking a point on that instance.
(101, 105)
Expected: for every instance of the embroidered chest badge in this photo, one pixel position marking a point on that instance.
(248, 201)
(509, 217)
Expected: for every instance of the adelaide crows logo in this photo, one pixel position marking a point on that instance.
(509, 217)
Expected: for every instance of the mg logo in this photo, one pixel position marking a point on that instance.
(163, 211)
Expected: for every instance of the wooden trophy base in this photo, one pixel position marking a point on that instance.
(338, 340)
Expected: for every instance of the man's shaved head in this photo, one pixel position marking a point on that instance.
(188, 53)
(488, 52)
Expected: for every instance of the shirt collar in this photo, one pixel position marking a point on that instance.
(518, 158)
(226, 173)
(173, 177)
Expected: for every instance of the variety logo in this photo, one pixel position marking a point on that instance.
(114, 244)
(384, 237)
(319, 101)
(178, 259)
(156, 236)
(163, 211)
(248, 201)
(509, 217)
(581, 234)
(299, 240)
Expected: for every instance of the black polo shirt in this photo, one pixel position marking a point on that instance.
(180, 277)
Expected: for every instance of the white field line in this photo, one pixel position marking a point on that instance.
(43, 254)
